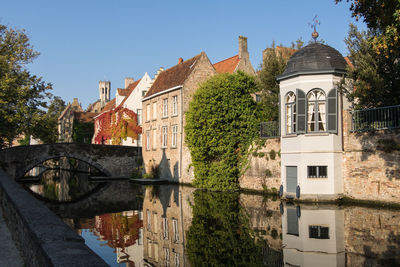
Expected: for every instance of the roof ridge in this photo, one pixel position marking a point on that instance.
(226, 59)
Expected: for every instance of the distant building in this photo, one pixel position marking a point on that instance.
(66, 120)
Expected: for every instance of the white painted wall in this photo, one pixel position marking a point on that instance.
(302, 250)
(312, 149)
(134, 102)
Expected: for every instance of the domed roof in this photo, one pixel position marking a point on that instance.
(315, 58)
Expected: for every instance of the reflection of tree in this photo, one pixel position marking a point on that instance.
(118, 229)
(220, 234)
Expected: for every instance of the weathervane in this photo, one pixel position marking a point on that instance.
(313, 25)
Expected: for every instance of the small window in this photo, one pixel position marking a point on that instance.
(154, 139)
(154, 110)
(174, 135)
(147, 140)
(144, 93)
(148, 220)
(139, 116)
(165, 107)
(175, 229)
(317, 171)
(175, 105)
(165, 228)
(318, 232)
(148, 112)
(166, 256)
(139, 140)
(164, 136)
(258, 98)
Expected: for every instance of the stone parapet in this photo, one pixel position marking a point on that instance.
(42, 237)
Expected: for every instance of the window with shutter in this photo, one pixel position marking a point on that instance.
(332, 111)
(301, 111)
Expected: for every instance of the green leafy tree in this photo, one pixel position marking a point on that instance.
(274, 64)
(220, 233)
(22, 95)
(376, 53)
(222, 121)
(45, 124)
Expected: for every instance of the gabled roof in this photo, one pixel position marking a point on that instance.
(227, 65)
(84, 116)
(173, 77)
(65, 111)
(129, 90)
(110, 105)
(122, 92)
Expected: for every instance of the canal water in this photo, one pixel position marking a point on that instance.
(169, 225)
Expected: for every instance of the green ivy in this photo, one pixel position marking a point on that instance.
(82, 132)
(222, 121)
(220, 233)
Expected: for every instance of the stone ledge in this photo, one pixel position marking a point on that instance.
(42, 237)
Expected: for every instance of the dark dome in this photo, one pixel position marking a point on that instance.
(314, 58)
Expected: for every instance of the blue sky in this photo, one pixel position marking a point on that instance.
(82, 42)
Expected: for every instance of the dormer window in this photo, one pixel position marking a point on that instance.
(316, 111)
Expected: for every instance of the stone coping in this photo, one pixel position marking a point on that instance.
(42, 237)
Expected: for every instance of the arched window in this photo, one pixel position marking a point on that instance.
(290, 109)
(316, 112)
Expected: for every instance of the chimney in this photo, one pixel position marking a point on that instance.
(243, 52)
(158, 72)
(180, 60)
(128, 81)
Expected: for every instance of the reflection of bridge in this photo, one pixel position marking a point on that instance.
(111, 160)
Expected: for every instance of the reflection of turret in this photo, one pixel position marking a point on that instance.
(313, 236)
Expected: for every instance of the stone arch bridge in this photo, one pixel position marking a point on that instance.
(117, 161)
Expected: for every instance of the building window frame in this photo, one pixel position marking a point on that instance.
(148, 140)
(175, 105)
(316, 111)
(154, 139)
(139, 116)
(290, 113)
(174, 135)
(164, 136)
(154, 111)
(165, 108)
(317, 171)
(175, 229)
(148, 111)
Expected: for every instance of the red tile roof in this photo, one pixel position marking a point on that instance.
(173, 76)
(227, 65)
(122, 92)
(348, 61)
(110, 105)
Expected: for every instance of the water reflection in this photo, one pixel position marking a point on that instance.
(131, 225)
(61, 179)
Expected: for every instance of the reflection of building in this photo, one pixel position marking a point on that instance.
(122, 231)
(312, 236)
(167, 216)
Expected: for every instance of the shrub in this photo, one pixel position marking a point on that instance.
(272, 154)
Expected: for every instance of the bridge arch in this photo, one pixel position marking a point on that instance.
(111, 160)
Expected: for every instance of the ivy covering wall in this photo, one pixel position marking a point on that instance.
(222, 121)
(82, 132)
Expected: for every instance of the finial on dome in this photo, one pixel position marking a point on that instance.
(313, 25)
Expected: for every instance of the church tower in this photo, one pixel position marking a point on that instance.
(104, 92)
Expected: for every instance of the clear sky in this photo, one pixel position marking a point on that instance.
(82, 42)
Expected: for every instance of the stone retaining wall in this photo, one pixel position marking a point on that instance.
(42, 237)
(264, 171)
(371, 164)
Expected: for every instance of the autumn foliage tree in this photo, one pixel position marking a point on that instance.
(116, 125)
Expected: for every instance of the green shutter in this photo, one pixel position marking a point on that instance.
(301, 111)
(332, 111)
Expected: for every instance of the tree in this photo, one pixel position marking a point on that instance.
(274, 64)
(222, 121)
(22, 95)
(376, 53)
(45, 124)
